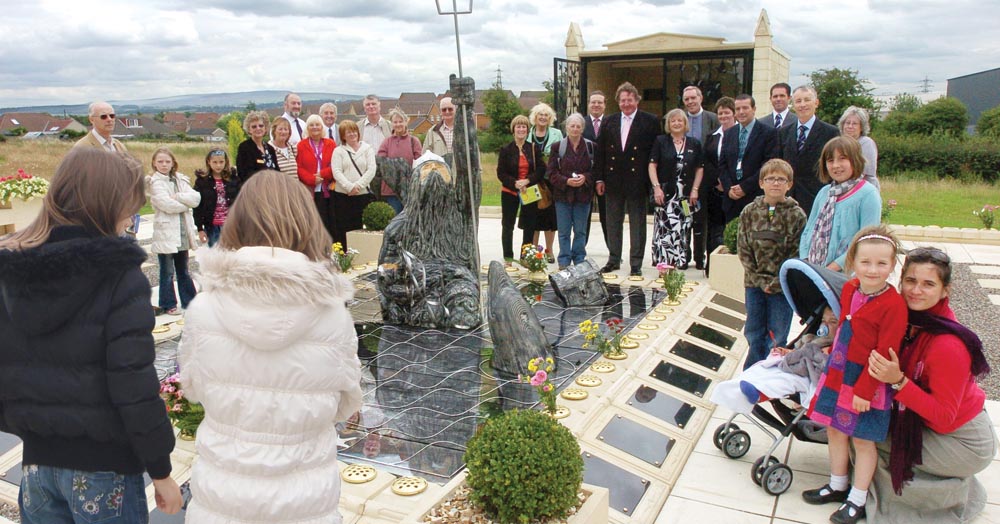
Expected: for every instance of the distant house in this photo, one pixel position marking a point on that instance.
(208, 134)
(39, 124)
(978, 91)
(136, 126)
(529, 99)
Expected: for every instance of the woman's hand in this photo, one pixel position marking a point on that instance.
(693, 198)
(355, 191)
(521, 184)
(575, 180)
(202, 237)
(168, 495)
(861, 405)
(658, 195)
(884, 369)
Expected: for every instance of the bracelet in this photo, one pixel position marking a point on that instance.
(899, 385)
(694, 190)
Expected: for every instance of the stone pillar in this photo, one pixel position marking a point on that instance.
(770, 64)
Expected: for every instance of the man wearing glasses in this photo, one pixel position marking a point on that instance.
(439, 138)
(102, 117)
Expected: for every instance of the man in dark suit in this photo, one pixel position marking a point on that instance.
(622, 174)
(591, 130)
(701, 124)
(780, 117)
(802, 143)
(745, 148)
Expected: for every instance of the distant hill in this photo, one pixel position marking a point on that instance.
(218, 102)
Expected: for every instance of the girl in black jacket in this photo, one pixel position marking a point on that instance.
(77, 382)
(218, 185)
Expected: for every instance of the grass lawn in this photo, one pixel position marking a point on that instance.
(945, 203)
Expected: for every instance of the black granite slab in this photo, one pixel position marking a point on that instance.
(681, 378)
(711, 335)
(728, 303)
(662, 406)
(721, 318)
(698, 355)
(637, 440)
(625, 488)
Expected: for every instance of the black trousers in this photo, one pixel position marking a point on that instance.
(509, 205)
(617, 205)
(324, 204)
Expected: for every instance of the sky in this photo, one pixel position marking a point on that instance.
(76, 51)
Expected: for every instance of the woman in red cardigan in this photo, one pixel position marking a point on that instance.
(940, 436)
(313, 160)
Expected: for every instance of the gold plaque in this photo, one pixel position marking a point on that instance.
(602, 366)
(589, 381)
(616, 356)
(358, 474)
(692, 283)
(161, 329)
(664, 310)
(561, 412)
(629, 344)
(610, 276)
(409, 486)
(180, 322)
(659, 280)
(648, 327)
(511, 269)
(672, 302)
(635, 278)
(574, 394)
(656, 318)
(637, 336)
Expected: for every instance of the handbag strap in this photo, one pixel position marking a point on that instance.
(360, 174)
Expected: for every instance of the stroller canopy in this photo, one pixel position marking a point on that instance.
(810, 287)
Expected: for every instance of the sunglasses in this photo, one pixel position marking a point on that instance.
(257, 126)
(928, 253)
(217, 152)
(106, 116)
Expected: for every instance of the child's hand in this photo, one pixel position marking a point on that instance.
(861, 405)
(826, 350)
(167, 495)
(202, 237)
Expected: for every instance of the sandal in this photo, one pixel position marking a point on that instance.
(549, 257)
(172, 311)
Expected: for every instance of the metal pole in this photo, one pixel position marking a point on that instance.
(458, 45)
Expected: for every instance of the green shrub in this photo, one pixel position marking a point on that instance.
(964, 158)
(377, 216)
(729, 235)
(524, 466)
(989, 123)
(944, 116)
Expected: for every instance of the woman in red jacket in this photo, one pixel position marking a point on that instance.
(940, 436)
(313, 159)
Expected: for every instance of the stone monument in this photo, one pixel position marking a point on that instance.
(515, 330)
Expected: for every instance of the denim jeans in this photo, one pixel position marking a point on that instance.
(768, 315)
(572, 217)
(395, 202)
(213, 232)
(185, 286)
(51, 495)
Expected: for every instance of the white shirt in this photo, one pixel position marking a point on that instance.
(106, 144)
(371, 134)
(784, 115)
(295, 137)
(809, 125)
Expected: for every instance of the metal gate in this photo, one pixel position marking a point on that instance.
(565, 87)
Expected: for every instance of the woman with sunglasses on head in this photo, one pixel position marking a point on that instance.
(940, 436)
(254, 154)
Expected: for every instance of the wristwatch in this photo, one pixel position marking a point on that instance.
(899, 385)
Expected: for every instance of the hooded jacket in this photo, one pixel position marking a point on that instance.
(77, 382)
(270, 351)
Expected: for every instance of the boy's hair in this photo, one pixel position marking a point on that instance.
(870, 234)
(91, 188)
(777, 166)
(848, 147)
(226, 170)
(168, 152)
(275, 210)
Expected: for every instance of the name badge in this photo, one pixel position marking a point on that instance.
(739, 164)
(260, 161)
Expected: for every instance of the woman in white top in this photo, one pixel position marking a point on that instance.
(353, 170)
(281, 131)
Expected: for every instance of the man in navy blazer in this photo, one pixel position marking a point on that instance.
(780, 117)
(622, 174)
(739, 170)
(802, 143)
(591, 130)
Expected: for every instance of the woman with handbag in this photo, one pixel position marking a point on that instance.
(519, 165)
(675, 171)
(353, 170)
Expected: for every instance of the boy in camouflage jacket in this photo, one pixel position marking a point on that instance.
(769, 234)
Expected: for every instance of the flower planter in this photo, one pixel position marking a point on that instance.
(537, 276)
(368, 244)
(17, 214)
(726, 275)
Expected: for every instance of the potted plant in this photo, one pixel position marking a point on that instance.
(20, 200)
(343, 258)
(606, 337)
(673, 283)
(726, 271)
(533, 259)
(368, 241)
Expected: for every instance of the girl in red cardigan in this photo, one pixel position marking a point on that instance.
(852, 404)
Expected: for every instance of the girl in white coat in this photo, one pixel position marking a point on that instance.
(270, 351)
(173, 198)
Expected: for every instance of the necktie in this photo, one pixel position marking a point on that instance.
(802, 137)
(298, 127)
(777, 120)
(330, 131)
(626, 125)
(597, 127)
(743, 147)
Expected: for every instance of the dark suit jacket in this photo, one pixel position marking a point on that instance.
(626, 170)
(588, 127)
(762, 145)
(710, 177)
(709, 123)
(805, 163)
(769, 119)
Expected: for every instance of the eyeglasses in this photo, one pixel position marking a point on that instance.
(920, 254)
(257, 126)
(773, 180)
(447, 109)
(106, 116)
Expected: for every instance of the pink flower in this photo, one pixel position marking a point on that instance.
(540, 377)
(178, 407)
(547, 387)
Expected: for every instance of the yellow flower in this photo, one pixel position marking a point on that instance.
(532, 367)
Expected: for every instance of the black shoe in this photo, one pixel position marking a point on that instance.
(157, 311)
(848, 513)
(824, 495)
(609, 267)
(636, 272)
(682, 267)
(699, 265)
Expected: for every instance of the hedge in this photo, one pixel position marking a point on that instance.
(946, 156)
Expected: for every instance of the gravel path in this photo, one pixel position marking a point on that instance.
(10, 513)
(974, 309)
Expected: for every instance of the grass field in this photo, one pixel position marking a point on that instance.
(921, 199)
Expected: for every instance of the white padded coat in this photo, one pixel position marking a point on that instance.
(169, 205)
(270, 351)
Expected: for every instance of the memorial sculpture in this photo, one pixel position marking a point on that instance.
(580, 285)
(428, 273)
(515, 330)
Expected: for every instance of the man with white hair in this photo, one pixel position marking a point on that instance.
(374, 128)
(328, 112)
(293, 108)
(800, 145)
(102, 117)
(440, 137)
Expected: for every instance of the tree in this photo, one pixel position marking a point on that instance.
(989, 123)
(234, 130)
(550, 93)
(187, 114)
(160, 117)
(501, 108)
(838, 89)
(251, 106)
(906, 103)
(946, 115)
(17, 131)
(223, 121)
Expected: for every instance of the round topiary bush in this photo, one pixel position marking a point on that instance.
(524, 466)
(730, 234)
(377, 215)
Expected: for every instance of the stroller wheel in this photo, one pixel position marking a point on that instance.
(736, 444)
(721, 432)
(757, 470)
(777, 479)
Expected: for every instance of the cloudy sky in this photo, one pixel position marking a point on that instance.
(74, 51)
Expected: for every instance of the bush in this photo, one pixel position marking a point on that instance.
(989, 123)
(729, 235)
(524, 466)
(377, 216)
(946, 156)
(946, 115)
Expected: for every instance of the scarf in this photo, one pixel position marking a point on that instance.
(820, 245)
(907, 426)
